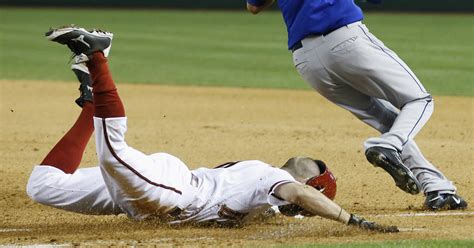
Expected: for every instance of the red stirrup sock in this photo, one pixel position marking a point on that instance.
(106, 99)
(66, 155)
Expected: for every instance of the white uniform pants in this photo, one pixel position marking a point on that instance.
(141, 185)
(356, 71)
(82, 192)
(127, 181)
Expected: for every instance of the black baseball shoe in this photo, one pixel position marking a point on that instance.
(82, 42)
(85, 87)
(391, 162)
(448, 201)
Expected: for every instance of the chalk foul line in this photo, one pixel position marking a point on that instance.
(424, 214)
(7, 230)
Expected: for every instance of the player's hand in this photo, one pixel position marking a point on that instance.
(371, 226)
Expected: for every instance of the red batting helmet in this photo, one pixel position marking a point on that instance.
(325, 182)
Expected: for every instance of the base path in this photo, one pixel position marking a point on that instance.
(207, 126)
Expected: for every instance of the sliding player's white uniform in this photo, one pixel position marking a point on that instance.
(157, 185)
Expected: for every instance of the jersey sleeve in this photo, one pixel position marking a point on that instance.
(276, 177)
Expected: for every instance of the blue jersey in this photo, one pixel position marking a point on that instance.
(317, 17)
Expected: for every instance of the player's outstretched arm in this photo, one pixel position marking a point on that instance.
(317, 203)
(256, 6)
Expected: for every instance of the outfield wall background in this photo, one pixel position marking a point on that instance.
(387, 5)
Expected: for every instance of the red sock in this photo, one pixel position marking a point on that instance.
(66, 155)
(106, 99)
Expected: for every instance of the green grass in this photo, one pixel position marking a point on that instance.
(399, 244)
(226, 48)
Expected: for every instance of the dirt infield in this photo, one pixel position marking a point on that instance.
(208, 126)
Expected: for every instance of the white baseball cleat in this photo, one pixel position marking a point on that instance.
(82, 42)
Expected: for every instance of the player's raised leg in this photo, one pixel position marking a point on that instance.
(142, 185)
(85, 87)
(67, 154)
(57, 181)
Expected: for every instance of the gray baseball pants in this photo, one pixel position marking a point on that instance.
(355, 70)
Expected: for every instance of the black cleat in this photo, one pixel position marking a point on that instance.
(436, 201)
(80, 41)
(391, 162)
(85, 87)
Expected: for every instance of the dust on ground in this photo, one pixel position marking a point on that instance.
(206, 126)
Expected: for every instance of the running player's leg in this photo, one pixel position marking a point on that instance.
(361, 61)
(440, 191)
(431, 179)
(428, 175)
(57, 182)
(378, 72)
(350, 58)
(377, 113)
(380, 115)
(386, 76)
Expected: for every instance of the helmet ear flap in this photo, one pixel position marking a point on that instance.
(325, 182)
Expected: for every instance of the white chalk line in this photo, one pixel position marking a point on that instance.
(402, 229)
(424, 214)
(7, 230)
(120, 243)
(435, 214)
(39, 245)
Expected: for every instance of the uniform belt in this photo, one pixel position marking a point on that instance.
(296, 46)
(299, 44)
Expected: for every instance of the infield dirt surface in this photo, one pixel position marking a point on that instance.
(207, 126)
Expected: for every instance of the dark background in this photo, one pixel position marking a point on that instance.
(387, 5)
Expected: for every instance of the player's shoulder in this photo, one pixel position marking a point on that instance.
(257, 163)
(266, 168)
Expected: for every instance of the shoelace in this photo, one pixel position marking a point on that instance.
(98, 30)
(73, 55)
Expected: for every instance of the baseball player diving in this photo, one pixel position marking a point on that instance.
(160, 186)
(338, 56)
